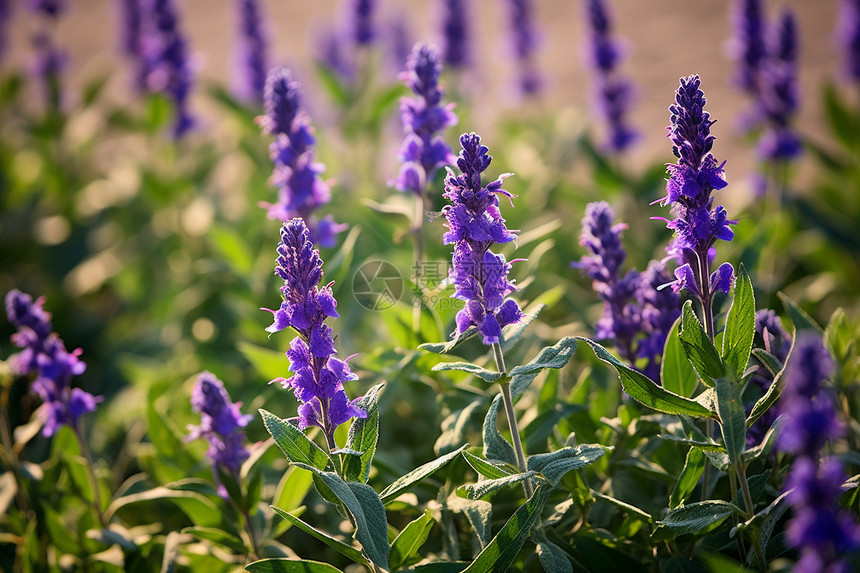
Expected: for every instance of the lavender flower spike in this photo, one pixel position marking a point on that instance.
(692, 179)
(424, 119)
(614, 92)
(455, 28)
(319, 377)
(748, 45)
(779, 93)
(44, 354)
(848, 35)
(474, 224)
(252, 46)
(301, 189)
(362, 21)
(659, 308)
(133, 39)
(169, 69)
(221, 423)
(525, 44)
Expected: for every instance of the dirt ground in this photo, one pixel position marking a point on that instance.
(667, 39)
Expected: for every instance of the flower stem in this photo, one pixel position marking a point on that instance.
(708, 319)
(91, 474)
(750, 507)
(512, 420)
(418, 254)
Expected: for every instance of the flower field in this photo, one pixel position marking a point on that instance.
(348, 314)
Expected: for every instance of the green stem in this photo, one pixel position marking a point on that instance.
(255, 550)
(750, 507)
(708, 319)
(418, 254)
(528, 487)
(91, 474)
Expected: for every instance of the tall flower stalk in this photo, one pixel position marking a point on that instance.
(252, 46)
(455, 33)
(301, 189)
(480, 276)
(318, 377)
(525, 42)
(423, 150)
(50, 59)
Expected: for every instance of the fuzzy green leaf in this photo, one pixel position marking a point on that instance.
(676, 372)
(363, 436)
(486, 468)
(446, 347)
(555, 356)
(285, 565)
(484, 488)
(405, 546)
(799, 317)
(694, 519)
(694, 466)
(554, 465)
(740, 326)
(344, 549)
(403, 483)
(297, 447)
(730, 408)
(482, 373)
(699, 349)
(496, 447)
(774, 390)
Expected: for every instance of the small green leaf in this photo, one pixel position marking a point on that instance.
(484, 488)
(496, 447)
(267, 362)
(405, 547)
(799, 317)
(555, 356)
(552, 558)
(554, 465)
(363, 435)
(446, 347)
(694, 519)
(486, 468)
(217, 536)
(694, 466)
(698, 347)
(768, 360)
(199, 509)
(503, 549)
(644, 390)
(676, 372)
(482, 373)
(732, 417)
(740, 325)
(285, 565)
(623, 505)
(774, 390)
(767, 442)
(705, 444)
(347, 551)
(403, 483)
(297, 447)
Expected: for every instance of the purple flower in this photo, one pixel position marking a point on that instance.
(50, 8)
(44, 354)
(474, 224)
(5, 18)
(524, 39)
(779, 92)
(362, 21)
(697, 173)
(424, 118)
(169, 69)
(848, 34)
(252, 45)
(613, 92)
(301, 189)
(749, 43)
(221, 423)
(455, 33)
(659, 308)
(318, 378)
(132, 27)
(769, 335)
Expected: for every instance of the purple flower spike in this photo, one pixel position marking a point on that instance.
(424, 119)
(474, 224)
(44, 354)
(524, 38)
(50, 8)
(301, 188)
(749, 44)
(818, 529)
(659, 308)
(779, 92)
(133, 39)
(455, 28)
(613, 93)
(362, 21)
(221, 423)
(252, 46)
(848, 35)
(318, 378)
(692, 179)
(169, 69)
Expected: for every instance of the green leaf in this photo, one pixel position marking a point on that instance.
(767, 442)
(676, 372)
(439, 567)
(404, 483)
(774, 390)
(552, 558)
(363, 435)
(285, 565)
(799, 317)
(694, 519)
(555, 356)
(644, 390)
(484, 488)
(331, 83)
(267, 362)
(740, 325)
(496, 447)
(718, 457)
(482, 373)
(768, 360)
(199, 509)
(446, 347)
(513, 332)
(478, 513)
(292, 488)
(705, 444)
(623, 505)
(368, 513)
(232, 248)
(554, 465)
(486, 468)
(498, 556)
(732, 417)
(217, 536)
(405, 547)
(839, 118)
(698, 347)
(297, 447)
(344, 549)
(694, 466)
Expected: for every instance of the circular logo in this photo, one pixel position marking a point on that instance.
(377, 285)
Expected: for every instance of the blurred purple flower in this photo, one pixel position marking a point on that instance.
(132, 22)
(748, 45)
(524, 41)
(474, 224)
(318, 377)
(5, 19)
(301, 190)
(779, 92)
(455, 33)
(44, 354)
(252, 46)
(848, 35)
(613, 92)
(770, 336)
(221, 423)
(363, 32)
(659, 308)
(692, 179)
(168, 67)
(424, 119)
(50, 8)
